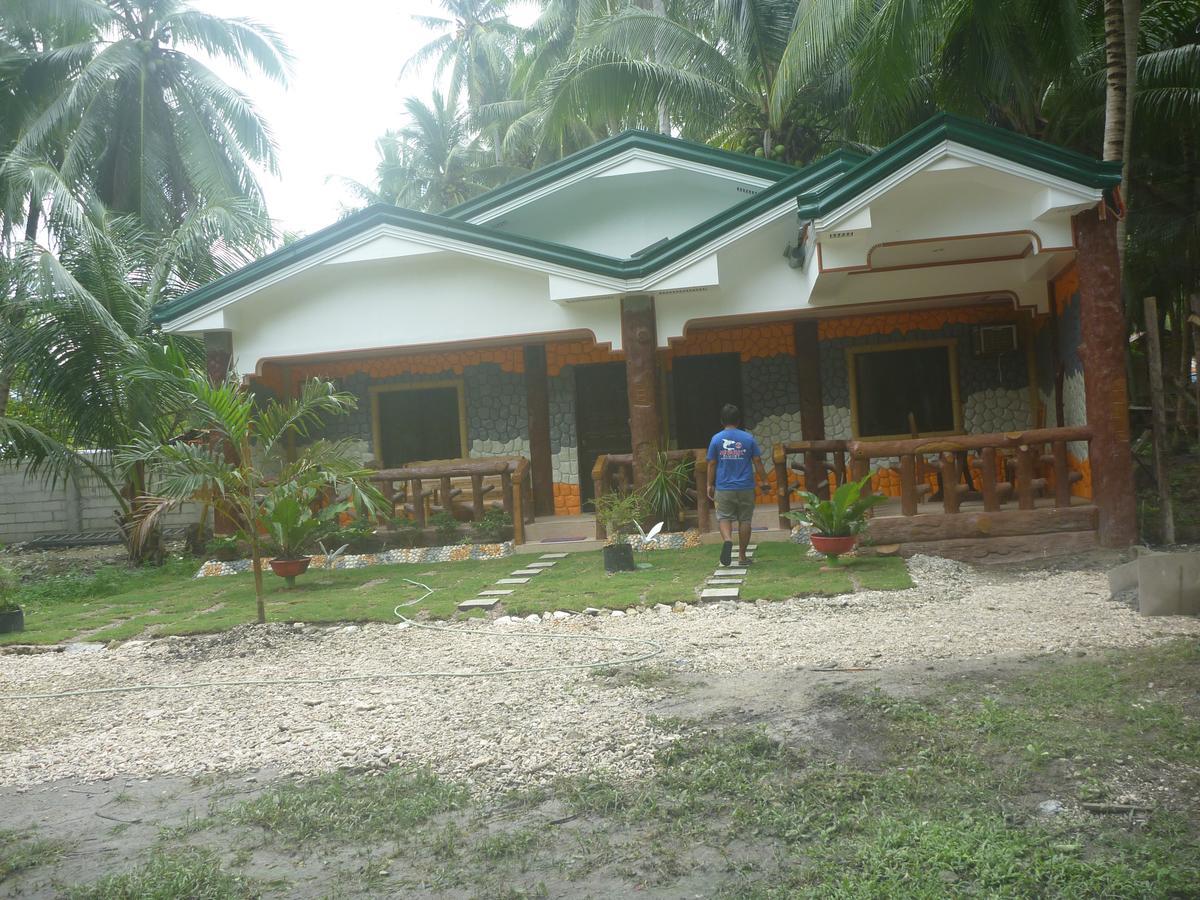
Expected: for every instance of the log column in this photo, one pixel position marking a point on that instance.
(218, 355)
(218, 359)
(639, 337)
(537, 401)
(808, 378)
(1102, 351)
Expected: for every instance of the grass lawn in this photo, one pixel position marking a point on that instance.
(942, 801)
(118, 604)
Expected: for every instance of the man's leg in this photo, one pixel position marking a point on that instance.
(744, 529)
(726, 526)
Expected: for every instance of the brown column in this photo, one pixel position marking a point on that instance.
(218, 355)
(1102, 348)
(537, 401)
(808, 377)
(639, 337)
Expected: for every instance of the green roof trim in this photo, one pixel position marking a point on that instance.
(818, 189)
(676, 148)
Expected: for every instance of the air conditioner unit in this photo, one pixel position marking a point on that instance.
(993, 340)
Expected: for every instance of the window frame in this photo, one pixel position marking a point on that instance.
(375, 390)
(951, 345)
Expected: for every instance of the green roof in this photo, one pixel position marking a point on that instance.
(818, 189)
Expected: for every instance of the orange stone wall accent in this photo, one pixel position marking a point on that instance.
(566, 499)
(750, 342)
(577, 353)
(917, 320)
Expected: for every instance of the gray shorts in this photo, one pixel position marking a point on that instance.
(735, 506)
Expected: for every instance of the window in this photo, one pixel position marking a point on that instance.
(414, 423)
(898, 388)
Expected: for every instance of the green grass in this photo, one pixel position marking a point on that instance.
(21, 851)
(168, 875)
(118, 604)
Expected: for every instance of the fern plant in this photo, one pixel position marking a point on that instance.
(842, 515)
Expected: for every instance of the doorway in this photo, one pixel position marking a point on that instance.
(601, 418)
(418, 423)
(701, 386)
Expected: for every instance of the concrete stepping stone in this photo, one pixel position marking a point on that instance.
(726, 581)
(513, 581)
(729, 570)
(479, 603)
(521, 573)
(752, 546)
(502, 592)
(718, 592)
(553, 556)
(541, 565)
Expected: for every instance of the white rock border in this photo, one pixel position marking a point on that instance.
(452, 553)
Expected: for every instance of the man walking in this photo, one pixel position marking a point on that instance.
(733, 459)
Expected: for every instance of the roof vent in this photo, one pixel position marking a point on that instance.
(995, 340)
(833, 235)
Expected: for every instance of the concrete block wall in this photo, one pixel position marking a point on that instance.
(31, 508)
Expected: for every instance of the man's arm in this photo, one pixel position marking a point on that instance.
(761, 471)
(712, 478)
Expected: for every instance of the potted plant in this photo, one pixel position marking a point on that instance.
(666, 491)
(294, 527)
(838, 521)
(619, 512)
(12, 617)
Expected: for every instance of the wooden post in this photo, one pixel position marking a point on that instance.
(218, 362)
(1102, 351)
(417, 498)
(950, 476)
(1158, 415)
(987, 479)
(808, 377)
(518, 507)
(1062, 475)
(783, 490)
(703, 504)
(908, 485)
(639, 339)
(816, 473)
(537, 402)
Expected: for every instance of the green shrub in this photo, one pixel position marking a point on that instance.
(10, 584)
(407, 535)
(358, 537)
(493, 527)
(446, 527)
(225, 548)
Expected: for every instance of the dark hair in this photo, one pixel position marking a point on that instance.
(730, 414)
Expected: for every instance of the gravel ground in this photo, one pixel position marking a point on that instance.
(503, 732)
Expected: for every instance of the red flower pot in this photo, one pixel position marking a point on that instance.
(288, 569)
(833, 546)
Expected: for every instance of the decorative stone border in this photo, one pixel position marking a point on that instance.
(453, 553)
(673, 540)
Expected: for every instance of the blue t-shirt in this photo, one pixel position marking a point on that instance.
(734, 450)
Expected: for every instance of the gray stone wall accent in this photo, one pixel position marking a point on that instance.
(564, 444)
(497, 411)
(994, 390)
(771, 395)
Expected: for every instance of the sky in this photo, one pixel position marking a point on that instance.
(345, 91)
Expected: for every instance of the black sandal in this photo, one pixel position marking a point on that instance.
(726, 553)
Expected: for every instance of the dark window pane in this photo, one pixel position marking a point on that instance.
(418, 425)
(892, 384)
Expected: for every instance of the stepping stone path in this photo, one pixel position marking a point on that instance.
(489, 598)
(725, 583)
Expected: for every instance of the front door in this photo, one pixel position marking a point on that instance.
(702, 385)
(419, 424)
(601, 417)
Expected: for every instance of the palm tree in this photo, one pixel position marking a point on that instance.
(87, 338)
(434, 162)
(475, 45)
(236, 483)
(150, 127)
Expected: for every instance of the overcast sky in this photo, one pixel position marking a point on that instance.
(345, 92)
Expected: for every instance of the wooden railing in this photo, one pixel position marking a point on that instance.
(1010, 466)
(614, 472)
(434, 487)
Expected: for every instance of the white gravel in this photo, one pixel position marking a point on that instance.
(508, 731)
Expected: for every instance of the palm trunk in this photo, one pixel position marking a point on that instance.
(1116, 79)
(5, 389)
(1158, 412)
(1195, 319)
(664, 116)
(256, 556)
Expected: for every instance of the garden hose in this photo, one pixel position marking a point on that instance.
(652, 649)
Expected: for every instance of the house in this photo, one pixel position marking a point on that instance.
(951, 300)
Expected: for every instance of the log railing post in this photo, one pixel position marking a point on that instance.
(1062, 475)
(517, 495)
(987, 479)
(908, 485)
(447, 494)
(703, 504)
(783, 487)
(951, 495)
(418, 501)
(1025, 477)
(816, 473)
(599, 489)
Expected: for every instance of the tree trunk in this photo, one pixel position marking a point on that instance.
(256, 556)
(1195, 319)
(659, 8)
(1116, 79)
(1158, 411)
(5, 389)
(1131, 22)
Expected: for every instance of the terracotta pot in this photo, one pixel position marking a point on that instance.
(288, 569)
(833, 546)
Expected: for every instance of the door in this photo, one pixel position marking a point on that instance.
(701, 386)
(419, 424)
(601, 417)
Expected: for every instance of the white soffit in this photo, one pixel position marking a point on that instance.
(633, 167)
(381, 246)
